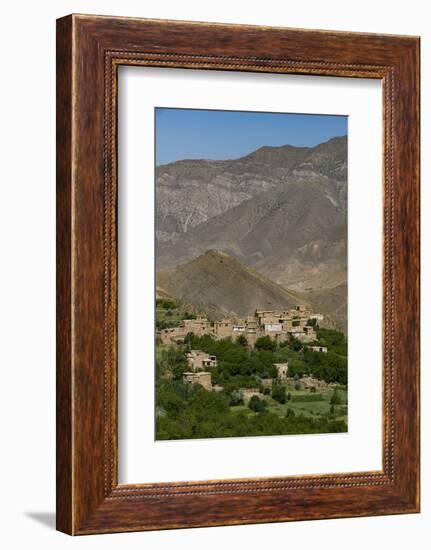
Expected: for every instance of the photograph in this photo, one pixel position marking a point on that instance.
(251, 273)
(216, 265)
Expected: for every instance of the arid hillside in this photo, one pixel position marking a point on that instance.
(220, 285)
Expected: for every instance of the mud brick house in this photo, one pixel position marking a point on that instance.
(201, 378)
(199, 360)
(199, 326)
(223, 328)
(308, 382)
(247, 394)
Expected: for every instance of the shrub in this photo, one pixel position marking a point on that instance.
(235, 398)
(162, 324)
(188, 315)
(165, 304)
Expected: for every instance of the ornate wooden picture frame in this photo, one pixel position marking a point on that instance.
(89, 51)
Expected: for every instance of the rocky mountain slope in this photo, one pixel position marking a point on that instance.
(190, 192)
(290, 234)
(280, 210)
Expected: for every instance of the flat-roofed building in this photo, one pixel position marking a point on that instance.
(223, 328)
(318, 349)
(272, 328)
(171, 335)
(199, 326)
(201, 378)
(200, 360)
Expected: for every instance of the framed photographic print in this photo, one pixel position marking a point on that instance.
(237, 274)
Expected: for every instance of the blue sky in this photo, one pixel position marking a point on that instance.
(202, 134)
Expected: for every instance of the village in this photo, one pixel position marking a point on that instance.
(276, 371)
(279, 326)
(200, 364)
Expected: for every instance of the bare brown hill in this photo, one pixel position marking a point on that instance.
(220, 285)
(332, 302)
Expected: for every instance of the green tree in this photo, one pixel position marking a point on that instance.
(295, 344)
(279, 393)
(174, 360)
(188, 339)
(242, 341)
(256, 404)
(265, 343)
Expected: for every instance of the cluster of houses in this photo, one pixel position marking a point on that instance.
(278, 325)
(201, 363)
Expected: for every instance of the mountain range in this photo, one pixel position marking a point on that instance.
(279, 212)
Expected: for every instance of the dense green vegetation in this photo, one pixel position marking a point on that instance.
(187, 412)
(241, 367)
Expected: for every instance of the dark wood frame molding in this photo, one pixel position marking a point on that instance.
(89, 51)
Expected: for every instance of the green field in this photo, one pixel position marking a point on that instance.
(312, 408)
(309, 409)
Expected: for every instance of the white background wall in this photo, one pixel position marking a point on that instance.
(27, 239)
